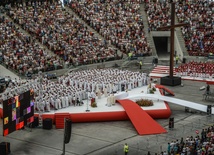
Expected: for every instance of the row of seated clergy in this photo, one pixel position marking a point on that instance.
(111, 100)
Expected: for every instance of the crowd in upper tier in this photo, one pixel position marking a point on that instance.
(20, 52)
(199, 34)
(119, 22)
(62, 33)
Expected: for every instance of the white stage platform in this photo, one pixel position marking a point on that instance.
(134, 94)
(101, 103)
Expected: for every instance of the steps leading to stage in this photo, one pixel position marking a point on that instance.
(165, 89)
(163, 71)
(60, 119)
(160, 71)
(143, 123)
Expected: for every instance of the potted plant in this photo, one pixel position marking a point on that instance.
(94, 105)
(144, 102)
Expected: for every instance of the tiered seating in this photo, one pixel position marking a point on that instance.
(158, 14)
(62, 33)
(199, 35)
(21, 53)
(117, 21)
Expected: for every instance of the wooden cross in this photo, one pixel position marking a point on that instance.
(172, 34)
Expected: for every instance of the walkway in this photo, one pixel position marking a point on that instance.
(143, 123)
(184, 103)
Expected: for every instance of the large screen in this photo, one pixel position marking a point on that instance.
(18, 111)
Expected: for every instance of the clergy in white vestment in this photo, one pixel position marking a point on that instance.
(36, 104)
(66, 101)
(114, 88)
(74, 100)
(111, 87)
(113, 99)
(97, 88)
(59, 102)
(140, 82)
(52, 101)
(83, 94)
(119, 86)
(105, 92)
(108, 101)
(99, 94)
(56, 105)
(108, 87)
(92, 95)
(129, 86)
(47, 105)
(93, 86)
(42, 106)
(63, 101)
(135, 83)
(70, 97)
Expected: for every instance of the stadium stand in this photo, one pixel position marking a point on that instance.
(62, 33)
(117, 21)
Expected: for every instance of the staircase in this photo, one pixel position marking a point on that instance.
(149, 37)
(60, 119)
(181, 39)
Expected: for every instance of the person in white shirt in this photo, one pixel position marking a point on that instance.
(66, 101)
(99, 94)
(105, 92)
(58, 101)
(63, 101)
(47, 105)
(109, 101)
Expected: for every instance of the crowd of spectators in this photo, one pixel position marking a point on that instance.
(199, 35)
(158, 14)
(196, 69)
(201, 144)
(62, 33)
(119, 22)
(20, 52)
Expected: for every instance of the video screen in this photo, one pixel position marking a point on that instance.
(18, 111)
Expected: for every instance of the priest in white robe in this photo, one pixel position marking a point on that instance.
(109, 101)
(99, 94)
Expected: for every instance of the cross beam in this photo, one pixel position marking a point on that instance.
(172, 33)
(169, 27)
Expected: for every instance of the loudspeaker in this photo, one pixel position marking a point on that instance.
(4, 148)
(184, 60)
(171, 122)
(47, 123)
(155, 61)
(122, 87)
(35, 123)
(68, 126)
(209, 109)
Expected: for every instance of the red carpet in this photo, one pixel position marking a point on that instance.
(165, 89)
(143, 123)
